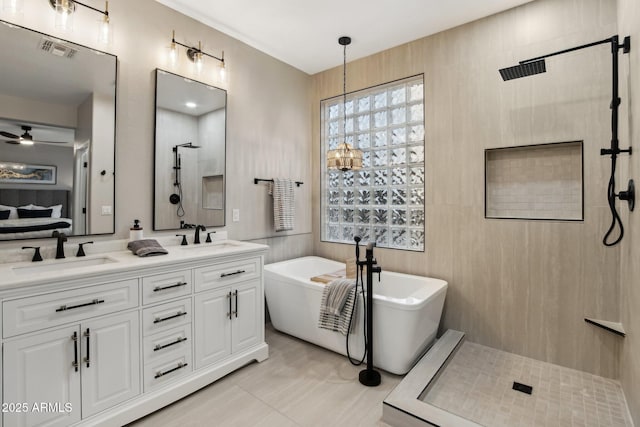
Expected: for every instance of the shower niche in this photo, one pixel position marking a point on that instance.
(535, 182)
(190, 148)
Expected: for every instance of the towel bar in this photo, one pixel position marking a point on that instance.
(256, 180)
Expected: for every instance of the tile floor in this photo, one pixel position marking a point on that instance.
(299, 385)
(476, 384)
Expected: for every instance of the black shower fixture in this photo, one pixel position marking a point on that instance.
(524, 69)
(537, 65)
(176, 199)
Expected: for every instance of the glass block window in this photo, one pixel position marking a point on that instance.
(383, 201)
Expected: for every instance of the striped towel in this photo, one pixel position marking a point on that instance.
(283, 204)
(337, 304)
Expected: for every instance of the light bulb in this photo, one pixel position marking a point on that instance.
(173, 50)
(222, 72)
(173, 54)
(12, 6)
(197, 62)
(64, 15)
(104, 31)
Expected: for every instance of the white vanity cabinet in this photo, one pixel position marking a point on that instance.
(76, 371)
(229, 318)
(38, 369)
(120, 343)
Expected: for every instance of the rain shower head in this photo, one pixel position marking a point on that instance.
(186, 145)
(524, 69)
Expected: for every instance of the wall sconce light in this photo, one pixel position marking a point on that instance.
(196, 55)
(64, 17)
(12, 6)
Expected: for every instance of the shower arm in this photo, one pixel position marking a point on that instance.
(614, 150)
(532, 67)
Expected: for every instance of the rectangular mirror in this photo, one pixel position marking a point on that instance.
(190, 147)
(57, 133)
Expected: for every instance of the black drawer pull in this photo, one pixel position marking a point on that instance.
(236, 312)
(180, 366)
(229, 298)
(86, 359)
(163, 319)
(71, 307)
(178, 341)
(177, 285)
(232, 274)
(74, 337)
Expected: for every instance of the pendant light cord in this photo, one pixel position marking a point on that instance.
(344, 91)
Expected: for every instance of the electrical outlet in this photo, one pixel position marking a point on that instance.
(236, 215)
(106, 210)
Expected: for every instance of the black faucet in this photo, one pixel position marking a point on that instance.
(36, 254)
(196, 237)
(60, 246)
(81, 249)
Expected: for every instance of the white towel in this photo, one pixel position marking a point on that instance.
(283, 204)
(337, 304)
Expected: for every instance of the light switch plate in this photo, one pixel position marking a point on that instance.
(236, 215)
(106, 210)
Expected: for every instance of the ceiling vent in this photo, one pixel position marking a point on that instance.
(56, 49)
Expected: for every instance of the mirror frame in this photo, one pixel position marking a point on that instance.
(115, 126)
(155, 160)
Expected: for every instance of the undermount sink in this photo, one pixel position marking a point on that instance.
(62, 265)
(215, 246)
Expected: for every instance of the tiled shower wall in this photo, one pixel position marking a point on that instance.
(629, 22)
(517, 285)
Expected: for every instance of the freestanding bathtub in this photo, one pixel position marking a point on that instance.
(406, 311)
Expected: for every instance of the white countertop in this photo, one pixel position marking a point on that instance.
(23, 274)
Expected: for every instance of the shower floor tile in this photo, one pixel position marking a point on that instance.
(477, 385)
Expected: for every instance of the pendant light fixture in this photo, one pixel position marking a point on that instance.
(344, 157)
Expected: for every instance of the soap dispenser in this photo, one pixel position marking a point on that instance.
(135, 232)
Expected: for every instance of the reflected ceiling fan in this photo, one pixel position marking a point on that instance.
(26, 138)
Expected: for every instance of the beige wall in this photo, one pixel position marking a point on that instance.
(629, 22)
(522, 286)
(268, 126)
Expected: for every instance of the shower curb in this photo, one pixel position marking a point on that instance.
(403, 407)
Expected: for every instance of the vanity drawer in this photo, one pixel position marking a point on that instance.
(166, 369)
(166, 316)
(47, 310)
(170, 342)
(224, 274)
(162, 287)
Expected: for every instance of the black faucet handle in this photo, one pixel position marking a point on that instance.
(209, 236)
(36, 254)
(184, 239)
(81, 249)
(59, 235)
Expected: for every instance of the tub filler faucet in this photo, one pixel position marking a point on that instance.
(369, 376)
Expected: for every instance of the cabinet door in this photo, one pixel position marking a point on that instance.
(39, 374)
(212, 326)
(247, 321)
(110, 361)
